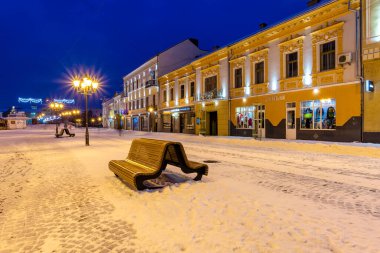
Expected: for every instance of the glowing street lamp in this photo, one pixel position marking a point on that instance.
(86, 86)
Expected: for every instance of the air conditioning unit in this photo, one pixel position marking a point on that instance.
(345, 58)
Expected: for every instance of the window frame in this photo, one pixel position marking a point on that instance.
(247, 109)
(235, 77)
(321, 112)
(293, 63)
(192, 89)
(210, 78)
(320, 55)
(171, 94)
(182, 91)
(263, 72)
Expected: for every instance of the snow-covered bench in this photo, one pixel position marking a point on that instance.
(147, 158)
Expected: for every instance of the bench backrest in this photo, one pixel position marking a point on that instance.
(176, 154)
(148, 152)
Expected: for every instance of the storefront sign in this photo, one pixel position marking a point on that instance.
(182, 109)
(275, 98)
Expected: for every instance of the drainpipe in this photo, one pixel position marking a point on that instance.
(359, 61)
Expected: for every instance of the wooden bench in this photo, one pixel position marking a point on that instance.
(147, 158)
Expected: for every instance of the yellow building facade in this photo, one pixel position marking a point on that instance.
(299, 79)
(371, 67)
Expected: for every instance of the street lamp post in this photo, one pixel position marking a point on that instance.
(87, 87)
(56, 107)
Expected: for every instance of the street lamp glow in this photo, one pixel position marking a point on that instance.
(86, 87)
(76, 83)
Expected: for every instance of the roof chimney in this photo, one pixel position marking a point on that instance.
(312, 2)
(263, 25)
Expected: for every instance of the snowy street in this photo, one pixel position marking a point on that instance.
(57, 195)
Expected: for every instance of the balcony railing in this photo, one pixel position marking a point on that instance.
(151, 83)
(213, 94)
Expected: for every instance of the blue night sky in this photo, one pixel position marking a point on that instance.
(42, 40)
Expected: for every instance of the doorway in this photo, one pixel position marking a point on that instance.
(213, 123)
(261, 116)
(291, 129)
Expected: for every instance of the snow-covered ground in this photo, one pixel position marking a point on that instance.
(57, 195)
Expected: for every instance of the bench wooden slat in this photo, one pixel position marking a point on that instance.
(147, 158)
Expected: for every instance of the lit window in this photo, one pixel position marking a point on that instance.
(245, 117)
(318, 114)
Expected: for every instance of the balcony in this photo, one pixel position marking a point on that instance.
(213, 94)
(151, 83)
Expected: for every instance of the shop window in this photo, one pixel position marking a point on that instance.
(210, 83)
(245, 117)
(171, 94)
(327, 56)
(292, 65)
(167, 121)
(259, 72)
(192, 89)
(318, 114)
(182, 91)
(238, 74)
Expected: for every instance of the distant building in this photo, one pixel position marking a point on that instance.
(3, 123)
(141, 86)
(16, 120)
(108, 114)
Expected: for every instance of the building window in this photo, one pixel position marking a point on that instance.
(373, 20)
(152, 74)
(292, 65)
(130, 106)
(137, 104)
(259, 72)
(182, 91)
(245, 117)
(146, 101)
(171, 94)
(210, 83)
(192, 89)
(165, 95)
(142, 103)
(318, 114)
(238, 74)
(327, 56)
(137, 83)
(154, 100)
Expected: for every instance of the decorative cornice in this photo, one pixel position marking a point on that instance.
(259, 55)
(292, 44)
(311, 18)
(327, 33)
(210, 71)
